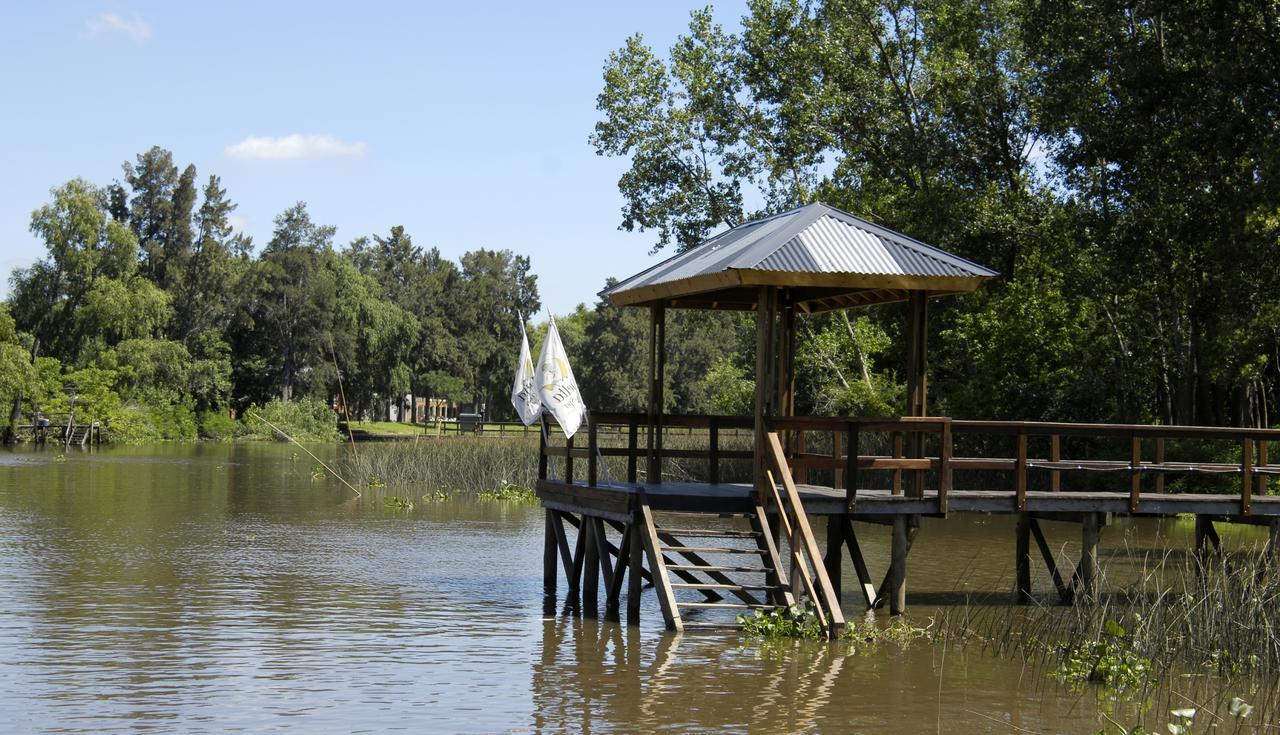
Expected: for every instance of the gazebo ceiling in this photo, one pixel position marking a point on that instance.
(828, 259)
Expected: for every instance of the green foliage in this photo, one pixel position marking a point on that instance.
(730, 387)
(797, 621)
(218, 426)
(463, 463)
(510, 493)
(1110, 660)
(303, 419)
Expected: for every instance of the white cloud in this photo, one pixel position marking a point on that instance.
(289, 147)
(238, 222)
(135, 28)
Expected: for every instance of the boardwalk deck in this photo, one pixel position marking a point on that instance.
(614, 500)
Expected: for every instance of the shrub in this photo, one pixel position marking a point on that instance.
(305, 419)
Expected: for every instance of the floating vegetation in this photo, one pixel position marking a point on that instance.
(899, 632)
(395, 502)
(1111, 661)
(510, 493)
(374, 481)
(318, 473)
(796, 621)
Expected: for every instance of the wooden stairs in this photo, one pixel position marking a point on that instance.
(708, 571)
(715, 569)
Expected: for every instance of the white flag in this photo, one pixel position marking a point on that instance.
(524, 396)
(556, 386)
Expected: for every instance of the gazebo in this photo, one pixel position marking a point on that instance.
(805, 261)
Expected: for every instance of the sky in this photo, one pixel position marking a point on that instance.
(465, 122)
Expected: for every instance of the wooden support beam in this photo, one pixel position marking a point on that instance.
(590, 568)
(917, 380)
(549, 553)
(604, 549)
(1206, 534)
(1088, 555)
(658, 567)
(592, 456)
(635, 565)
(833, 559)
(566, 556)
(633, 429)
(1273, 540)
(898, 567)
(713, 449)
(945, 476)
(767, 542)
(614, 594)
(859, 564)
(1022, 559)
(1064, 592)
(854, 444)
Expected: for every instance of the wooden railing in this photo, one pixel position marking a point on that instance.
(918, 454)
(807, 568)
(628, 428)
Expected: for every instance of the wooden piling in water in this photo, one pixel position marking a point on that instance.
(898, 567)
(1022, 559)
(1088, 554)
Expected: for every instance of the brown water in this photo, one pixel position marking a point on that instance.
(218, 588)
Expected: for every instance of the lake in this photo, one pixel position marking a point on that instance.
(220, 588)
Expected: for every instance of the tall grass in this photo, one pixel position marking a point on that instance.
(456, 463)
(1169, 616)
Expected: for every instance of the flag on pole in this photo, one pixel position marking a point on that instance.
(556, 386)
(524, 395)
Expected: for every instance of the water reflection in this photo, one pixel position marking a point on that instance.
(218, 588)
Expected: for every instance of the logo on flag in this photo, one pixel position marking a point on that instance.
(524, 394)
(556, 386)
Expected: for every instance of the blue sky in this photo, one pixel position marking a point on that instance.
(465, 122)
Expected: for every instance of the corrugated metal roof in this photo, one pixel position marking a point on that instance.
(814, 239)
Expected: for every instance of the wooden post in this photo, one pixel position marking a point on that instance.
(550, 554)
(832, 560)
(1088, 554)
(657, 404)
(1159, 460)
(634, 568)
(1020, 471)
(944, 466)
(542, 449)
(837, 474)
(1055, 455)
(713, 451)
(1246, 476)
(1135, 472)
(1022, 560)
(633, 445)
(1273, 540)
(591, 452)
(898, 567)
(851, 465)
(590, 568)
(917, 381)
(897, 454)
(765, 307)
(568, 460)
(1262, 463)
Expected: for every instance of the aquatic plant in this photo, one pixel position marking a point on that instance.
(899, 632)
(796, 621)
(1110, 660)
(510, 492)
(458, 463)
(395, 502)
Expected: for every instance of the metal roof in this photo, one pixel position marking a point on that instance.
(832, 258)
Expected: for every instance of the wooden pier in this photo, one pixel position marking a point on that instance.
(722, 524)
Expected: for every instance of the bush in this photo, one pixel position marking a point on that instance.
(136, 424)
(305, 419)
(219, 427)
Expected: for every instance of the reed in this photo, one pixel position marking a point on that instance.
(454, 464)
(1169, 620)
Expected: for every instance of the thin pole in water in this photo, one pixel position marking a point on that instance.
(308, 451)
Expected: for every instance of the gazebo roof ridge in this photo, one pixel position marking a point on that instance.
(836, 259)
